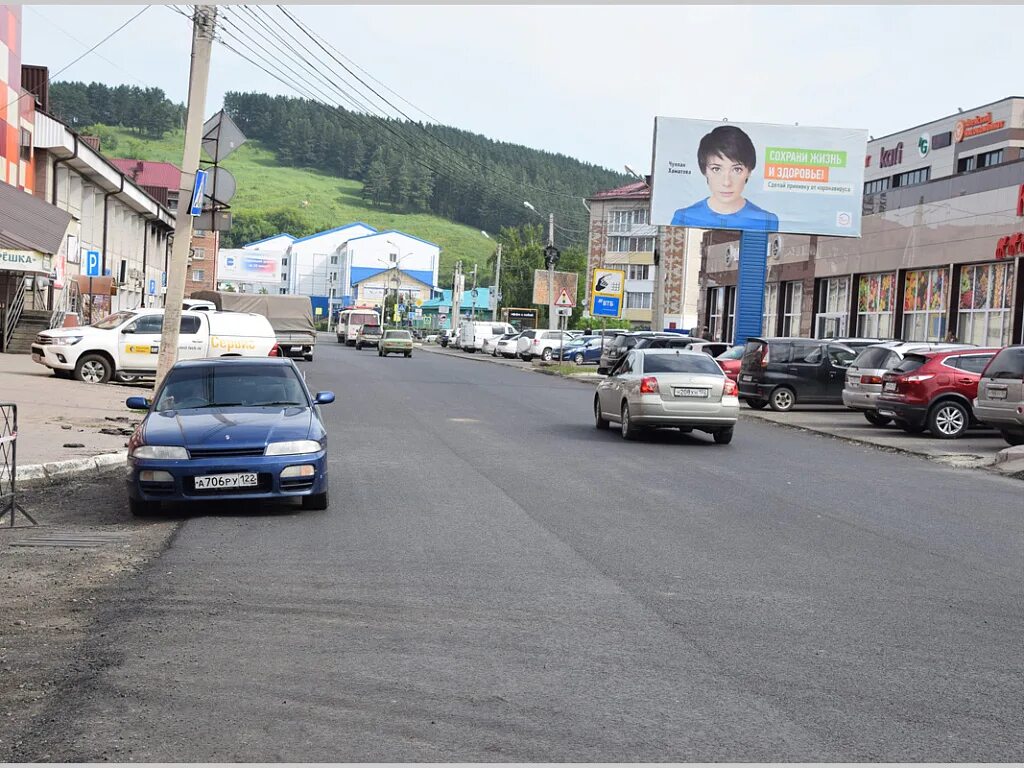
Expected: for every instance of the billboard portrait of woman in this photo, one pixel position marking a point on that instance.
(726, 158)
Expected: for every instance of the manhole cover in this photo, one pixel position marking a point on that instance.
(73, 540)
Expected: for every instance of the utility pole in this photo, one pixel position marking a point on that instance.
(551, 274)
(203, 23)
(497, 285)
(456, 295)
(472, 306)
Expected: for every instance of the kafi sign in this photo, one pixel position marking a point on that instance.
(24, 261)
(890, 157)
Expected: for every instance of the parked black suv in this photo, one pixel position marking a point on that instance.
(781, 372)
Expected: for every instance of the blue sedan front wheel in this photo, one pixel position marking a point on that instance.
(316, 501)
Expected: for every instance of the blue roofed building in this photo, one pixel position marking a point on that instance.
(436, 313)
(398, 254)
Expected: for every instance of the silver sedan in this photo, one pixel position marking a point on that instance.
(668, 388)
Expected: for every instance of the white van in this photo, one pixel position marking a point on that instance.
(475, 332)
(128, 343)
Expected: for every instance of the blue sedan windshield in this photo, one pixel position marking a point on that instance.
(231, 384)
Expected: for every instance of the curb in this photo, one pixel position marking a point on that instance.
(42, 474)
(953, 460)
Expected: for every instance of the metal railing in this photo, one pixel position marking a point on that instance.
(9, 465)
(12, 314)
(69, 302)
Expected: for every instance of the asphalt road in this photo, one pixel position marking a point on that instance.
(497, 581)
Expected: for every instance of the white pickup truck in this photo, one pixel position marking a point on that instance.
(128, 343)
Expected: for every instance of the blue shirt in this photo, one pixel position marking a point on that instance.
(748, 217)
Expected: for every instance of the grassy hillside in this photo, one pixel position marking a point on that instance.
(322, 200)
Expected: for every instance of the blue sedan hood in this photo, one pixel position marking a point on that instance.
(231, 427)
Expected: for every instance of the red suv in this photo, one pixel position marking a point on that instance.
(934, 391)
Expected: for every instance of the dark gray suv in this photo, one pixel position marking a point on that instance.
(781, 372)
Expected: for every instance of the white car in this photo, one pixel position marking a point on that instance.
(491, 343)
(540, 343)
(507, 345)
(128, 343)
(476, 333)
(668, 388)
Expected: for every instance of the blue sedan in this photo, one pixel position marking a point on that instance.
(229, 428)
(586, 349)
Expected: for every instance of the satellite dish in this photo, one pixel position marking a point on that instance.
(729, 257)
(775, 251)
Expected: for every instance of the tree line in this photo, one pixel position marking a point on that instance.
(522, 253)
(145, 111)
(407, 166)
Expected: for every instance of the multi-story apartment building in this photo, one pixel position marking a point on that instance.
(939, 254)
(622, 237)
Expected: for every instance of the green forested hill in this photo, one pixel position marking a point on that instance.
(276, 198)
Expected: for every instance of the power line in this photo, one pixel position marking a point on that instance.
(238, 28)
(374, 111)
(59, 28)
(70, 64)
(415, 123)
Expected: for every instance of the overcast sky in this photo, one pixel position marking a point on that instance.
(587, 81)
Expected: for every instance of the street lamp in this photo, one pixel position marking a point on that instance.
(396, 279)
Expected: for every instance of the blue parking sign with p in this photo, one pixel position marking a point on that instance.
(92, 263)
(152, 287)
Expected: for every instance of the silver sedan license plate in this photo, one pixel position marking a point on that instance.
(220, 482)
(997, 394)
(689, 392)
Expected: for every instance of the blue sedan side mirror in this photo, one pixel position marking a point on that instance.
(324, 398)
(137, 403)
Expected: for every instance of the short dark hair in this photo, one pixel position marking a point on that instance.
(731, 143)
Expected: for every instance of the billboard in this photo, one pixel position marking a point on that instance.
(563, 281)
(242, 266)
(606, 292)
(758, 177)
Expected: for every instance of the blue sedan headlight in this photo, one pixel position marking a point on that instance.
(160, 452)
(293, 447)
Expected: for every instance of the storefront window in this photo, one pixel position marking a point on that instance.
(876, 297)
(771, 309)
(791, 308)
(716, 307)
(986, 291)
(833, 307)
(730, 315)
(925, 298)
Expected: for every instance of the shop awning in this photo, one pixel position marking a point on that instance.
(31, 231)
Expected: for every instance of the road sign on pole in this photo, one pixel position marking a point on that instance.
(198, 191)
(92, 263)
(564, 300)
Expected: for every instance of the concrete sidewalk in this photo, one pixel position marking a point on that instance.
(54, 414)
(979, 448)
